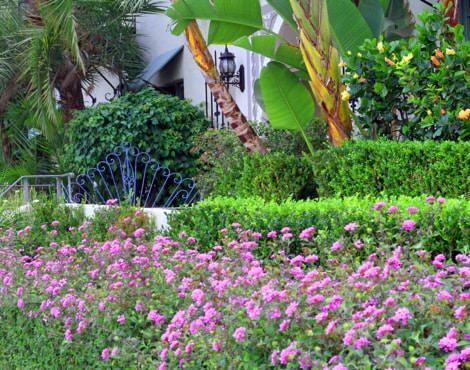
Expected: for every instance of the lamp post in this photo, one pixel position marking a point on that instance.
(228, 70)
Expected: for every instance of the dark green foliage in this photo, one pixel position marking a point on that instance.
(393, 168)
(413, 88)
(443, 230)
(160, 124)
(225, 168)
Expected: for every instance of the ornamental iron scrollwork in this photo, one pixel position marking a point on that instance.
(130, 175)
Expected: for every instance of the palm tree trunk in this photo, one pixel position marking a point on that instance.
(5, 99)
(69, 85)
(238, 122)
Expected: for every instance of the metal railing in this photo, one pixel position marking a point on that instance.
(26, 184)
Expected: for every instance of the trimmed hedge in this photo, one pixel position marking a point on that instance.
(394, 168)
(274, 176)
(444, 229)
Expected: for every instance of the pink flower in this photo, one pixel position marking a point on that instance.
(384, 330)
(459, 312)
(121, 319)
(430, 199)
(190, 240)
(154, 316)
(331, 327)
(378, 205)
(139, 232)
(283, 325)
(401, 315)
(441, 200)
(272, 234)
(68, 336)
(239, 334)
(412, 210)
(114, 352)
(55, 223)
(392, 209)
(216, 346)
(20, 303)
(336, 246)
(105, 354)
(447, 344)
(287, 236)
(197, 296)
(361, 342)
(408, 225)
(340, 367)
(312, 258)
(358, 244)
(290, 310)
(111, 202)
(420, 360)
(351, 227)
(307, 233)
(55, 312)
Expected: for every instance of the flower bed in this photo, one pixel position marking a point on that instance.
(128, 303)
(441, 226)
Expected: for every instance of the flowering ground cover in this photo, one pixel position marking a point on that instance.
(130, 303)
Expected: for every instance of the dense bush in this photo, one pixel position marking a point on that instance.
(125, 304)
(417, 88)
(392, 168)
(439, 228)
(225, 168)
(163, 125)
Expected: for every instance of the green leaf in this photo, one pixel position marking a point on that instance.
(373, 14)
(284, 9)
(288, 103)
(229, 19)
(272, 47)
(348, 25)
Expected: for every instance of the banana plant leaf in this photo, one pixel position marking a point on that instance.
(229, 19)
(287, 102)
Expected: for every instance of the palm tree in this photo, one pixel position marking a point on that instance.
(50, 49)
(237, 121)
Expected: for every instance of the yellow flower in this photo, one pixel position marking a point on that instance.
(345, 95)
(429, 112)
(450, 51)
(380, 47)
(359, 55)
(464, 114)
(406, 59)
(355, 76)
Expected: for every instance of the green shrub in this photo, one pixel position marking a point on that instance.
(445, 229)
(163, 125)
(392, 168)
(413, 88)
(226, 169)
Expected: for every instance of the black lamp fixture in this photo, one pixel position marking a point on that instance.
(228, 70)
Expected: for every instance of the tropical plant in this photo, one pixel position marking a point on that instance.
(288, 102)
(232, 113)
(413, 89)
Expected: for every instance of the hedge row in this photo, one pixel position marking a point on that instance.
(394, 168)
(439, 228)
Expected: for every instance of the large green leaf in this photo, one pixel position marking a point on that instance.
(230, 19)
(272, 47)
(287, 101)
(284, 9)
(374, 15)
(347, 24)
